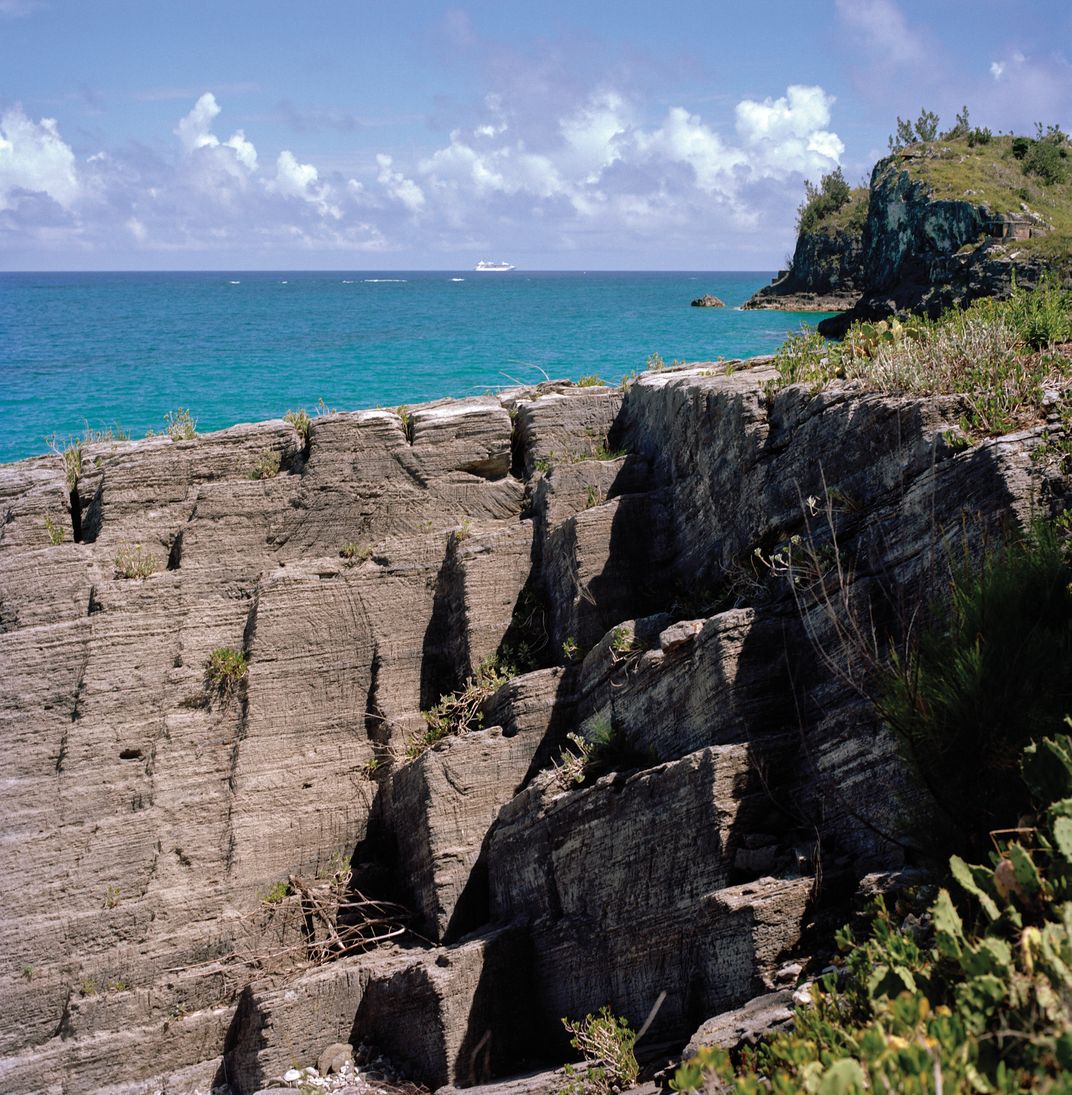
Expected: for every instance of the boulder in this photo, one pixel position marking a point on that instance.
(708, 301)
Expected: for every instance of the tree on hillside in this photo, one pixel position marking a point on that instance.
(925, 128)
(820, 201)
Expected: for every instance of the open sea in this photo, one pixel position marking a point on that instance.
(103, 349)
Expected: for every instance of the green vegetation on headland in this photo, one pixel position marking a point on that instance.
(1009, 360)
(832, 205)
(1008, 174)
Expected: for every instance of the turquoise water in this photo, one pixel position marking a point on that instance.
(101, 349)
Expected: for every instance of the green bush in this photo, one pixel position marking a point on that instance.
(227, 668)
(180, 425)
(969, 694)
(986, 353)
(53, 531)
(590, 381)
(135, 562)
(974, 996)
(300, 420)
(267, 466)
(355, 553)
(606, 1042)
(462, 711)
(821, 201)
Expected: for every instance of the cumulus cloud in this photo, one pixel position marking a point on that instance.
(35, 158)
(790, 133)
(598, 172)
(302, 180)
(195, 132)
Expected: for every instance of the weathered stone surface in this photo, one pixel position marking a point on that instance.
(708, 300)
(163, 809)
(619, 884)
(449, 798)
(746, 1025)
(443, 1016)
(826, 274)
(562, 426)
(147, 812)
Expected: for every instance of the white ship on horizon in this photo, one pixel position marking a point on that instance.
(485, 267)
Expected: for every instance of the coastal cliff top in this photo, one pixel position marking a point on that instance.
(1013, 176)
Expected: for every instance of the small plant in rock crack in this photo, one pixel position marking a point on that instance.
(180, 425)
(112, 896)
(276, 893)
(590, 381)
(227, 668)
(461, 711)
(135, 562)
(606, 1042)
(267, 467)
(53, 531)
(371, 767)
(464, 530)
(355, 553)
(569, 770)
(592, 496)
(570, 648)
(622, 640)
(300, 420)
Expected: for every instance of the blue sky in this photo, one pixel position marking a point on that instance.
(254, 134)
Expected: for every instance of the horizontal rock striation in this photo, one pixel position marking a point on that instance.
(184, 853)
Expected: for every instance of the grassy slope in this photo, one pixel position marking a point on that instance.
(850, 216)
(990, 175)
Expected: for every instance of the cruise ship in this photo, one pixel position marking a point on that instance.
(485, 267)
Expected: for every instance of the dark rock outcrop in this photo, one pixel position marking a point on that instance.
(826, 275)
(925, 255)
(155, 825)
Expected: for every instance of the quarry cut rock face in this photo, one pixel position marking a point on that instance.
(216, 874)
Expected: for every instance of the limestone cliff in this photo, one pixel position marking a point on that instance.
(171, 846)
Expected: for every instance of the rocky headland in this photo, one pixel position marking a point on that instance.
(233, 840)
(943, 222)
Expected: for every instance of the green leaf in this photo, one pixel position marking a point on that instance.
(1047, 768)
(965, 875)
(990, 956)
(1027, 875)
(1062, 836)
(844, 1077)
(948, 927)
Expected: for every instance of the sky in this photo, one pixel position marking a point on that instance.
(397, 134)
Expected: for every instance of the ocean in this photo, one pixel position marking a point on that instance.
(103, 350)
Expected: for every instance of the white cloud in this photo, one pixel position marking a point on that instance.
(684, 138)
(302, 180)
(884, 28)
(788, 133)
(244, 151)
(997, 69)
(398, 186)
(595, 171)
(34, 157)
(195, 132)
